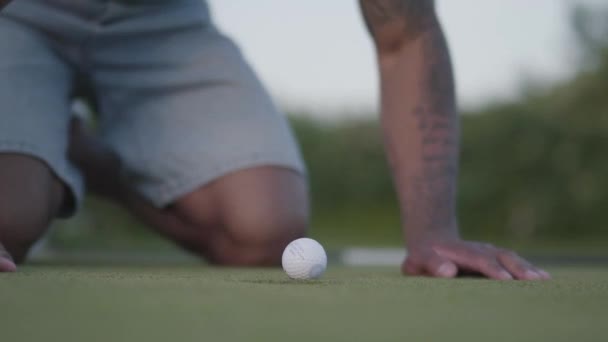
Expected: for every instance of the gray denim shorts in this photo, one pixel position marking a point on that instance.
(175, 98)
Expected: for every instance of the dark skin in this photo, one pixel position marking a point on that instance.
(421, 133)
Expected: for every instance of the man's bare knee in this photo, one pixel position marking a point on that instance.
(248, 216)
(258, 242)
(268, 226)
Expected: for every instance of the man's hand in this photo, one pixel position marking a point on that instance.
(448, 258)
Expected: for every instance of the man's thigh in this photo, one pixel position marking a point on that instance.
(180, 105)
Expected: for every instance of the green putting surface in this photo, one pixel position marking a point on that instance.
(125, 303)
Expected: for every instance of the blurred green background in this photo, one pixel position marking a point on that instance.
(534, 170)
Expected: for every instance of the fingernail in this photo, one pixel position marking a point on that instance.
(532, 275)
(446, 270)
(504, 275)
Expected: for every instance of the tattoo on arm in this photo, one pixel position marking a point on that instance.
(429, 173)
(433, 188)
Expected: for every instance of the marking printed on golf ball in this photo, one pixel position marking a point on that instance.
(304, 259)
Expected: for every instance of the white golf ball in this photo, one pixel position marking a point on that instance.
(304, 259)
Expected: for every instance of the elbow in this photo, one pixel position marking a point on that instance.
(394, 45)
(392, 42)
(395, 24)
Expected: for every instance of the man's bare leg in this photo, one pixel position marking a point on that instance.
(30, 197)
(245, 218)
(248, 217)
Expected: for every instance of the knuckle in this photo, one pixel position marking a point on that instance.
(482, 262)
(504, 253)
(488, 264)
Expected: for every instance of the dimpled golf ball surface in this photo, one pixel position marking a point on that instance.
(304, 259)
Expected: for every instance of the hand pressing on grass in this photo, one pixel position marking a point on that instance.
(449, 258)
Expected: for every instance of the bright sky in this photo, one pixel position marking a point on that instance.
(316, 54)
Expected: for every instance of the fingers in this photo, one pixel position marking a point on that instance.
(478, 258)
(446, 259)
(492, 262)
(494, 270)
(520, 268)
(440, 267)
(6, 262)
(430, 264)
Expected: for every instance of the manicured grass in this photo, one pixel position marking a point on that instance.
(199, 303)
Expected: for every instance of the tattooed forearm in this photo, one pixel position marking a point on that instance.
(432, 187)
(391, 22)
(419, 115)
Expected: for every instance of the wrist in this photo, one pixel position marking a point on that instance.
(415, 235)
